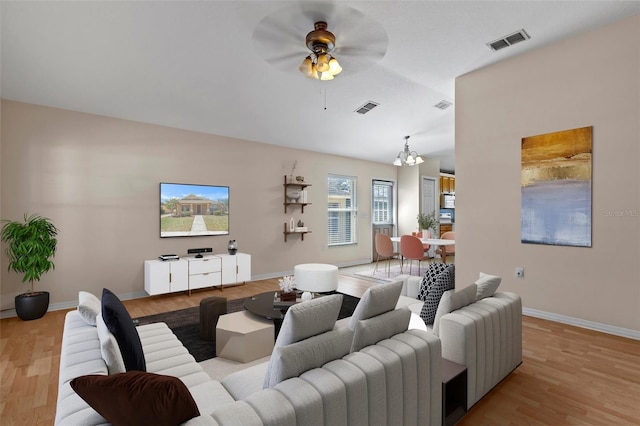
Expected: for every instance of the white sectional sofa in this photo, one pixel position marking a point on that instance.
(371, 372)
(478, 328)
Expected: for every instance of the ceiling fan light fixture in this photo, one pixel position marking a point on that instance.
(321, 43)
(334, 67)
(326, 76)
(322, 63)
(306, 67)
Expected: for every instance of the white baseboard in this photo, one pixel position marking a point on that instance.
(60, 306)
(578, 322)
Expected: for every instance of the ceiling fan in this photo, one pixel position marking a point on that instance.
(332, 31)
(320, 64)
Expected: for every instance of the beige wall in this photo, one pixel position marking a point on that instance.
(410, 195)
(589, 80)
(98, 179)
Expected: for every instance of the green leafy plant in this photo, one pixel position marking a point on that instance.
(428, 221)
(31, 245)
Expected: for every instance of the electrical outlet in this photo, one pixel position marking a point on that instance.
(519, 272)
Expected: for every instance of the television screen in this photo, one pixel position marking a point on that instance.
(193, 210)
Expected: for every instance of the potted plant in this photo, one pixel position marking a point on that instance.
(428, 221)
(31, 245)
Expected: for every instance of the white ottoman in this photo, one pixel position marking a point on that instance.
(243, 337)
(316, 277)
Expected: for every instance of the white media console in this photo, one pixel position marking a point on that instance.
(190, 273)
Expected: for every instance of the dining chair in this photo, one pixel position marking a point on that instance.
(384, 249)
(449, 250)
(411, 248)
(425, 246)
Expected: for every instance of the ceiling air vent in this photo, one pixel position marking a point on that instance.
(443, 104)
(366, 107)
(509, 40)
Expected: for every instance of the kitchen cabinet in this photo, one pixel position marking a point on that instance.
(447, 184)
(445, 227)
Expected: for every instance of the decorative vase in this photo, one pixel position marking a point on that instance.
(288, 297)
(232, 247)
(307, 295)
(30, 306)
(294, 195)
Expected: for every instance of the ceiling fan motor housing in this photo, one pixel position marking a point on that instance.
(320, 40)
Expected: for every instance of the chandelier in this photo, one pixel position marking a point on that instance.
(320, 64)
(406, 157)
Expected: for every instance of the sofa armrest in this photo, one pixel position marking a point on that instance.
(410, 285)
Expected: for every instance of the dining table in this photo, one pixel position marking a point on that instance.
(437, 242)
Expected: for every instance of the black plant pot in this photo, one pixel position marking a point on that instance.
(30, 306)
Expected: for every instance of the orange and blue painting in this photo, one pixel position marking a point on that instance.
(556, 188)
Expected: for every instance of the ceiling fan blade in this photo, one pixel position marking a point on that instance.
(279, 38)
(315, 11)
(285, 60)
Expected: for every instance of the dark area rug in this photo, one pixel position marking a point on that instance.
(185, 324)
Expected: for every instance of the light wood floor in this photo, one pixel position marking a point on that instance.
(568, 376)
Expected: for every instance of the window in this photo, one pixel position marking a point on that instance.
(382, 202)
(342, 218)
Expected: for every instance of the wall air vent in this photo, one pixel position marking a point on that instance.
(368, 106)
(443, 104)
(509, 40)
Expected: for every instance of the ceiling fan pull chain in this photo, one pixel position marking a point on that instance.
(325, 98)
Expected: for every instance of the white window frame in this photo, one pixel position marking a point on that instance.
(342, 217)
(382, 206)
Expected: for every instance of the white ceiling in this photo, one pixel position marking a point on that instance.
(230, 67)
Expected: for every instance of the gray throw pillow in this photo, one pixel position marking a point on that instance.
(375, 301)
(88, 307)
(452, 300)
(487, 285)
(306, 319)
(444, 282)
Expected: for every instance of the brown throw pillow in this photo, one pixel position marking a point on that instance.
(137, 398)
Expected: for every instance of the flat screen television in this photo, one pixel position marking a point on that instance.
(188, 210)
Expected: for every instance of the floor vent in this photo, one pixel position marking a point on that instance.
(443, 104)
(509, 40)
(366, 107)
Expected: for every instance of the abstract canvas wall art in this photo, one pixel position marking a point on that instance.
(556, 188)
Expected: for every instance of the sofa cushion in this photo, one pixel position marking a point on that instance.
(429, 279)
(452, 300)
(109, 348)
(296, 358)
(487, 285)
(372, 330)
(136, 398)
(309, 318)
(375, 301)
(88, 307)
(119, 323)
(444, 281)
